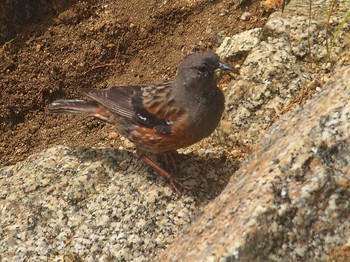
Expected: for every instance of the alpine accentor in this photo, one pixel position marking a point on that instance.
(160, 118)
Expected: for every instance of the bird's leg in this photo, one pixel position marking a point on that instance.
(172, 180)
(169, 158)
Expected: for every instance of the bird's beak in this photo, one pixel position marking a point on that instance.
(224, 67)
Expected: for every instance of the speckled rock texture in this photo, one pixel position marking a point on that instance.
(290, 201)
(278, 67)
(97, 204)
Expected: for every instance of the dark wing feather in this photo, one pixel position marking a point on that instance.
(146, 106)
(144, 117)
(156, 108)
(116, 99)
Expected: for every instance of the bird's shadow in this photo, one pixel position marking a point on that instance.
(204, 176)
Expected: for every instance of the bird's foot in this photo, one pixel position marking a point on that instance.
(174, 182)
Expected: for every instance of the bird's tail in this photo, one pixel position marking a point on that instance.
(69, 106)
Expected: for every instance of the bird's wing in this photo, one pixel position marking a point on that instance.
(150, 106)
(116, 99)
(160, 101)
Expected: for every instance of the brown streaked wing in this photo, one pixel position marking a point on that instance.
(116, 99)
(158, 100)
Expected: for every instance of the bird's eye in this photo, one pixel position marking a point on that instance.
(203, 68)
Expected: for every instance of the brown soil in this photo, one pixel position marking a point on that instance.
(98, 44)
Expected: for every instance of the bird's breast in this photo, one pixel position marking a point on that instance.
(207, 115)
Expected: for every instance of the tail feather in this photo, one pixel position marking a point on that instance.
(64, 106)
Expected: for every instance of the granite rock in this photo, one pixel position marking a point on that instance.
(290, 200)
(284, 62)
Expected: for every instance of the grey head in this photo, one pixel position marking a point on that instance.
(198, 71)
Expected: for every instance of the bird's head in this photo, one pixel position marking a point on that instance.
(203, 65)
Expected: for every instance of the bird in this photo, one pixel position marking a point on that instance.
(160, 118)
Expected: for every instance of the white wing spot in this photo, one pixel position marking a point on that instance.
(142, 117)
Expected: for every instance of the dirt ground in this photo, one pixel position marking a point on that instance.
(99, 44)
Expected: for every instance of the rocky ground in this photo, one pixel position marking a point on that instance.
(86, 196)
